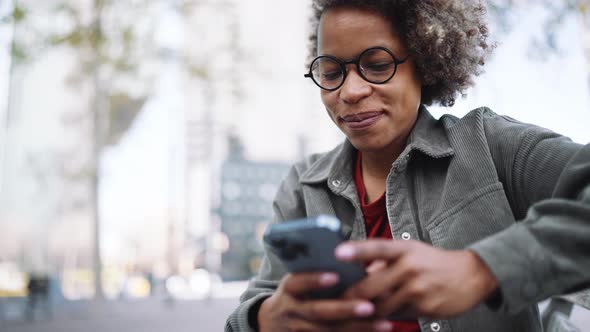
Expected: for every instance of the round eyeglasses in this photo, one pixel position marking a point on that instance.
(376, 65)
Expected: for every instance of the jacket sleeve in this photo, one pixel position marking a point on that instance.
(287, 205)
(548, 184)
(529, 159)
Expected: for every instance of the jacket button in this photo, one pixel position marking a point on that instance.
(406, 236)
(336, 183)
(435, 327)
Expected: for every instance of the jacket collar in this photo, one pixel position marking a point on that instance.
(429, 136)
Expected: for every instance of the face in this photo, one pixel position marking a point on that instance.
(374, 117)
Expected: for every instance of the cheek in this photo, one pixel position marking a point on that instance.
(417, 91)
(329, 101)
(407, 95)
(414, 85)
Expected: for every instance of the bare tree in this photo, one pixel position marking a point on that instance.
(113, 46)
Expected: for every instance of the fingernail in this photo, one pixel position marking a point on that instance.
(364, 309)
(375, 266)
(383, 326)
(345, 252)
(328, 279)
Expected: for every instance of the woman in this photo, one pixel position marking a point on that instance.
(488, 215)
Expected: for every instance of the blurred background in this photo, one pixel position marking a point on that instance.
(142, 141)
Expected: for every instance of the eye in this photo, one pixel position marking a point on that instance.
(332, 75)
(327, 70)
(379, 67)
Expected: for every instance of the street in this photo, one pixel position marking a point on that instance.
(149, 316)
(129, 316)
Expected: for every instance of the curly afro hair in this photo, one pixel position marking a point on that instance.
(448, 40)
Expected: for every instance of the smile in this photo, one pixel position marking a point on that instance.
(361, 120)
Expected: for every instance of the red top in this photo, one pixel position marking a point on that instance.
(377, 226)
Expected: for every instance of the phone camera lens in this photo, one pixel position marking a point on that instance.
(278, 243)
(293, 250)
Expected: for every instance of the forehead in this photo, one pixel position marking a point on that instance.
(347, 31)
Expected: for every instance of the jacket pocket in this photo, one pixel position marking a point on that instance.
(483, 212)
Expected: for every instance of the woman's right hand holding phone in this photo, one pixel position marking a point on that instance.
(291, 309)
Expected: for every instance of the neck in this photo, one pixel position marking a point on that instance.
(377, 164)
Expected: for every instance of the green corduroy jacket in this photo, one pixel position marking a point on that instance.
(516, 194)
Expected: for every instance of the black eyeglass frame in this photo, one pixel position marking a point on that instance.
(344, 64)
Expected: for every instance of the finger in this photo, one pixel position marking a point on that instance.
(367, 325)
(377, 265)
(341, 326)
(379, 284)
(299, 284)
(298, 324)
(370, 250)
(403, 314)
(397, 303)
(333, 310)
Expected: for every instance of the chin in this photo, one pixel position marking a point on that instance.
(365, 145)
(376, 143)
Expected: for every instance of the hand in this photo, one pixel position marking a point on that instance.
(289, 308)
(412, 276)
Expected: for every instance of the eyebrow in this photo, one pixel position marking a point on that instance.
(359, 54)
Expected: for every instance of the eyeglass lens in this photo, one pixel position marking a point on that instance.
(375, 66)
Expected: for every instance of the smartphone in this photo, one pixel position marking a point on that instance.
(307, 245)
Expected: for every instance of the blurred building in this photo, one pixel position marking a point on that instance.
(247, 190)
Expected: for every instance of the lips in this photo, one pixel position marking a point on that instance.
(361, 120)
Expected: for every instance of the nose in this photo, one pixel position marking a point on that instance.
(354, 88)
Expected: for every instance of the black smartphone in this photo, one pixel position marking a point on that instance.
(307, 245)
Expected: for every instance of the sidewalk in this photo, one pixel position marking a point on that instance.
(153, 315)
(130, 316)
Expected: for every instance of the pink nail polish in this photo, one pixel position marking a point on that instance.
(383, 326)
(364, 309)
(328, 279)
(345, 252)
